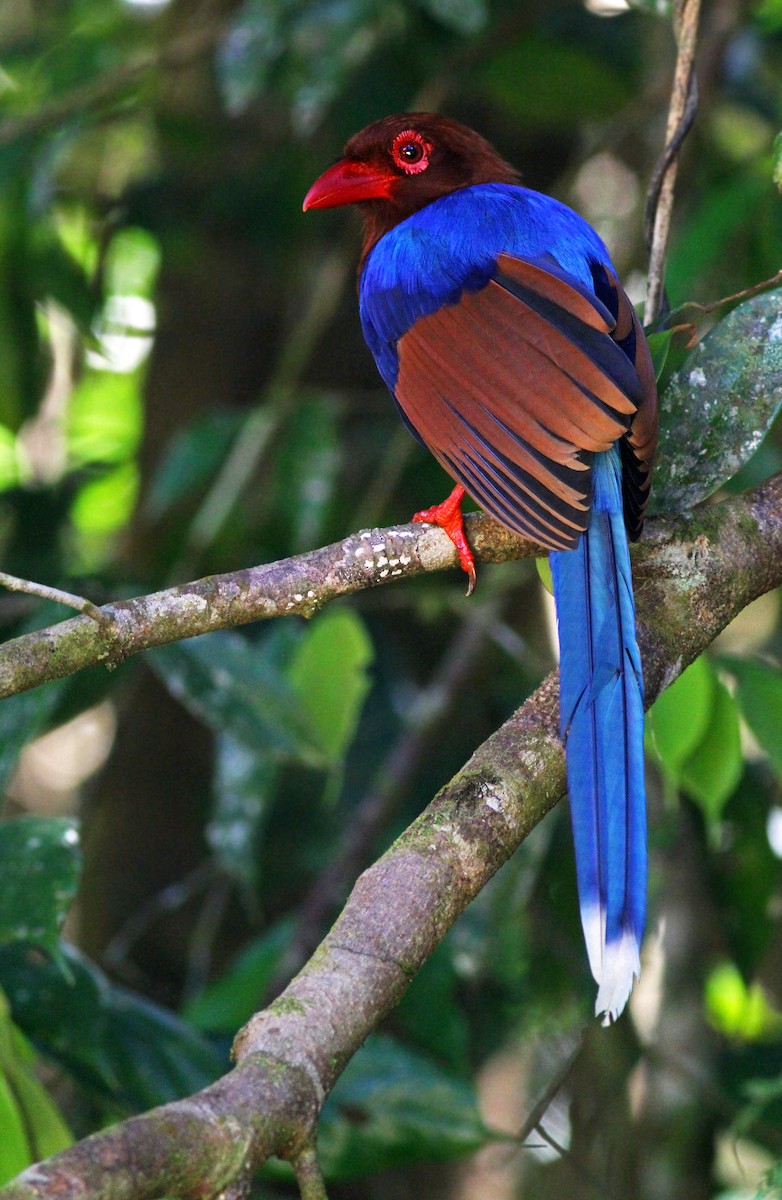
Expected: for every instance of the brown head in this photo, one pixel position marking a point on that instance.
(402, 163)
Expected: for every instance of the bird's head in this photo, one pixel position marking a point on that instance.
(402, 163)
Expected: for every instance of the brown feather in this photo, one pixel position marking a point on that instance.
(512, 404)
(557, 290)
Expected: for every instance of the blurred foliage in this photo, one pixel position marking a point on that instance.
(32, 848)
(32, 1126)
(184, 389)
(127, 1053)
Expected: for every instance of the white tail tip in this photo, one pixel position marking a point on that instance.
(621, 967)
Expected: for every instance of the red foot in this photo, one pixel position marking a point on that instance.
(448, 516)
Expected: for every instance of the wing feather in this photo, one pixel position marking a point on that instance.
(514, 387)
(639, 446)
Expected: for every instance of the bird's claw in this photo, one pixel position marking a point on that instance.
(448, 516)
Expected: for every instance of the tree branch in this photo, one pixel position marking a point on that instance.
(692, 577)
(296, 586)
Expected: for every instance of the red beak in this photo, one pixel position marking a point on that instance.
(347, 182)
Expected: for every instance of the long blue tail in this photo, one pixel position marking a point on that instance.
(602, 723)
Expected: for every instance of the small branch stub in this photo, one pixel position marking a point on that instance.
(43, 591)
(309, 1175)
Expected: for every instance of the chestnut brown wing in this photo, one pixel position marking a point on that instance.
(514, 388)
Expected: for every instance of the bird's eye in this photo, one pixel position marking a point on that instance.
(411, 151)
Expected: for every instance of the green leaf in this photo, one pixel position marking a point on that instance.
(430, 1014)
(14, 1147)
(10, 459)
(192, 458)
(693, 732)
(39, 867)
(748, 874)
(252, 42)
(121, 1045)
(245, 782)
(392, 1106)
(60, 277)
(719, 406)
(714, 228)
(105, 417)
(131, 263)
(103, 505)
(659, 346)
(759, 694)
(224, 1005)
(21, 378)
(768, 13)
(737, 1010)
(45, 1130)
(713, 770)
(155, 1056)
(679, 717)
(306, 51)
(230, 684)
(27, 715)
(330, 675)
(306, 465)
(670, 347)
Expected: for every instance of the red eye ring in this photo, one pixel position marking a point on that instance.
(411, 151)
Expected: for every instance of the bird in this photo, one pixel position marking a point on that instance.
(500, 327)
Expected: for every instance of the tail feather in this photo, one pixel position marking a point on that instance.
(601, 719)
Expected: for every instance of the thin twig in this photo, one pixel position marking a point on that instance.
(579, 1169)
(681, 113)
(44, 592)
(309, 1175)
(167, 900)
(551, 1141)
(204, 935)
(548, 1094)
(745, 294)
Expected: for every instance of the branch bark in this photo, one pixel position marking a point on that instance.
(692, 576)
(296, 586)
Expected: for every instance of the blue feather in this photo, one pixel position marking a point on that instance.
(452, 245)
(601, 720)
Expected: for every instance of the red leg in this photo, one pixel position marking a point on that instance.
(448, 516)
